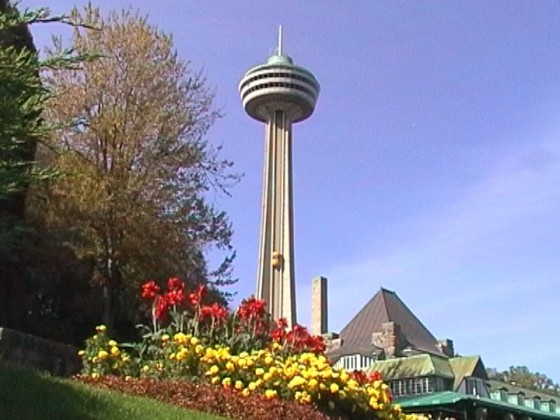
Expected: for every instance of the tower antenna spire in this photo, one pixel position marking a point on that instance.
(279, 39)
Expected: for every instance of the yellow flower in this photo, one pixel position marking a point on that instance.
(127, 378)
(214, 369)
(215, 380)
(95, 375)
(182, 354)
(180, 338)
(165, 337)
(226, 382)
(313, 384)
(102, 354)
(252, 386)
(267, 376)
(296, 381)
(246, 392)
(194, 341)
(268, 360)
(305, 397)
(114, 350)
(81, 352)
(334, 388)
(270, 393)
(259, 371)
(112, 343)
(145, 368)
(230, 366)
(101, 328)
(199, 349)
(238, 385)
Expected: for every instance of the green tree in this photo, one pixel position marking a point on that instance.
(135, 165)
(22, 98)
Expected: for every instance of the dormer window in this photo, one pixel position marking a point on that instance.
(503, 395)
(520, 398)
(537, 403)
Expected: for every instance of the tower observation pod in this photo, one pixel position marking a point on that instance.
(278, 93)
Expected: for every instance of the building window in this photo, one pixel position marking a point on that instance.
(429, 385)
(413, 386)
(355, 362)
(537, 403)
(520, 398)
(552, 406)
(503, 395)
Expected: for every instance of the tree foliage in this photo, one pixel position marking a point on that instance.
(521, 376)
(135, 165)
(22, 98)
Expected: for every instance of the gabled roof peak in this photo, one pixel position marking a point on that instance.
(385, 307)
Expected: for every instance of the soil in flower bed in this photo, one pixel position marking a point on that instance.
(211, 399)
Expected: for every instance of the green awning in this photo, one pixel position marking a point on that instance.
(449, 398)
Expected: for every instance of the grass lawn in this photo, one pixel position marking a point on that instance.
(27, 395)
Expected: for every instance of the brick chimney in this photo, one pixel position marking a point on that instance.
(319, 311)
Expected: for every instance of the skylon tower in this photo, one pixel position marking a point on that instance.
(278, 93)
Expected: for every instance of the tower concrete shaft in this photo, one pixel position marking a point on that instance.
(276, 282)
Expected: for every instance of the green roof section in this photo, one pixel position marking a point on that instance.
(449, 398)
(279, 59)
(413, 367)
(467, 366)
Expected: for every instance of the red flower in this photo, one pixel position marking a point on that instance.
(282, 323)
(195, 298)
(161, 305)
(251, 308)
(375, 376)
(278, 333)
(214, 311)
(175, 297)
(150, 290)
(359, 376)
(175, 284)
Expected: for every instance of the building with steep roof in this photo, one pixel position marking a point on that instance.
(384, 328)
(423, 372)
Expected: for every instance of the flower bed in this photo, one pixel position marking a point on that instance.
(245, 353)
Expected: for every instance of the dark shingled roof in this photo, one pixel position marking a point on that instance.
(385, 306)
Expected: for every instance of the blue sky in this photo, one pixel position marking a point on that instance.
(430, 167)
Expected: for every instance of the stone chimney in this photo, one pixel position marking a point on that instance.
(389, 339)
(446, 347)
(319, 311)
